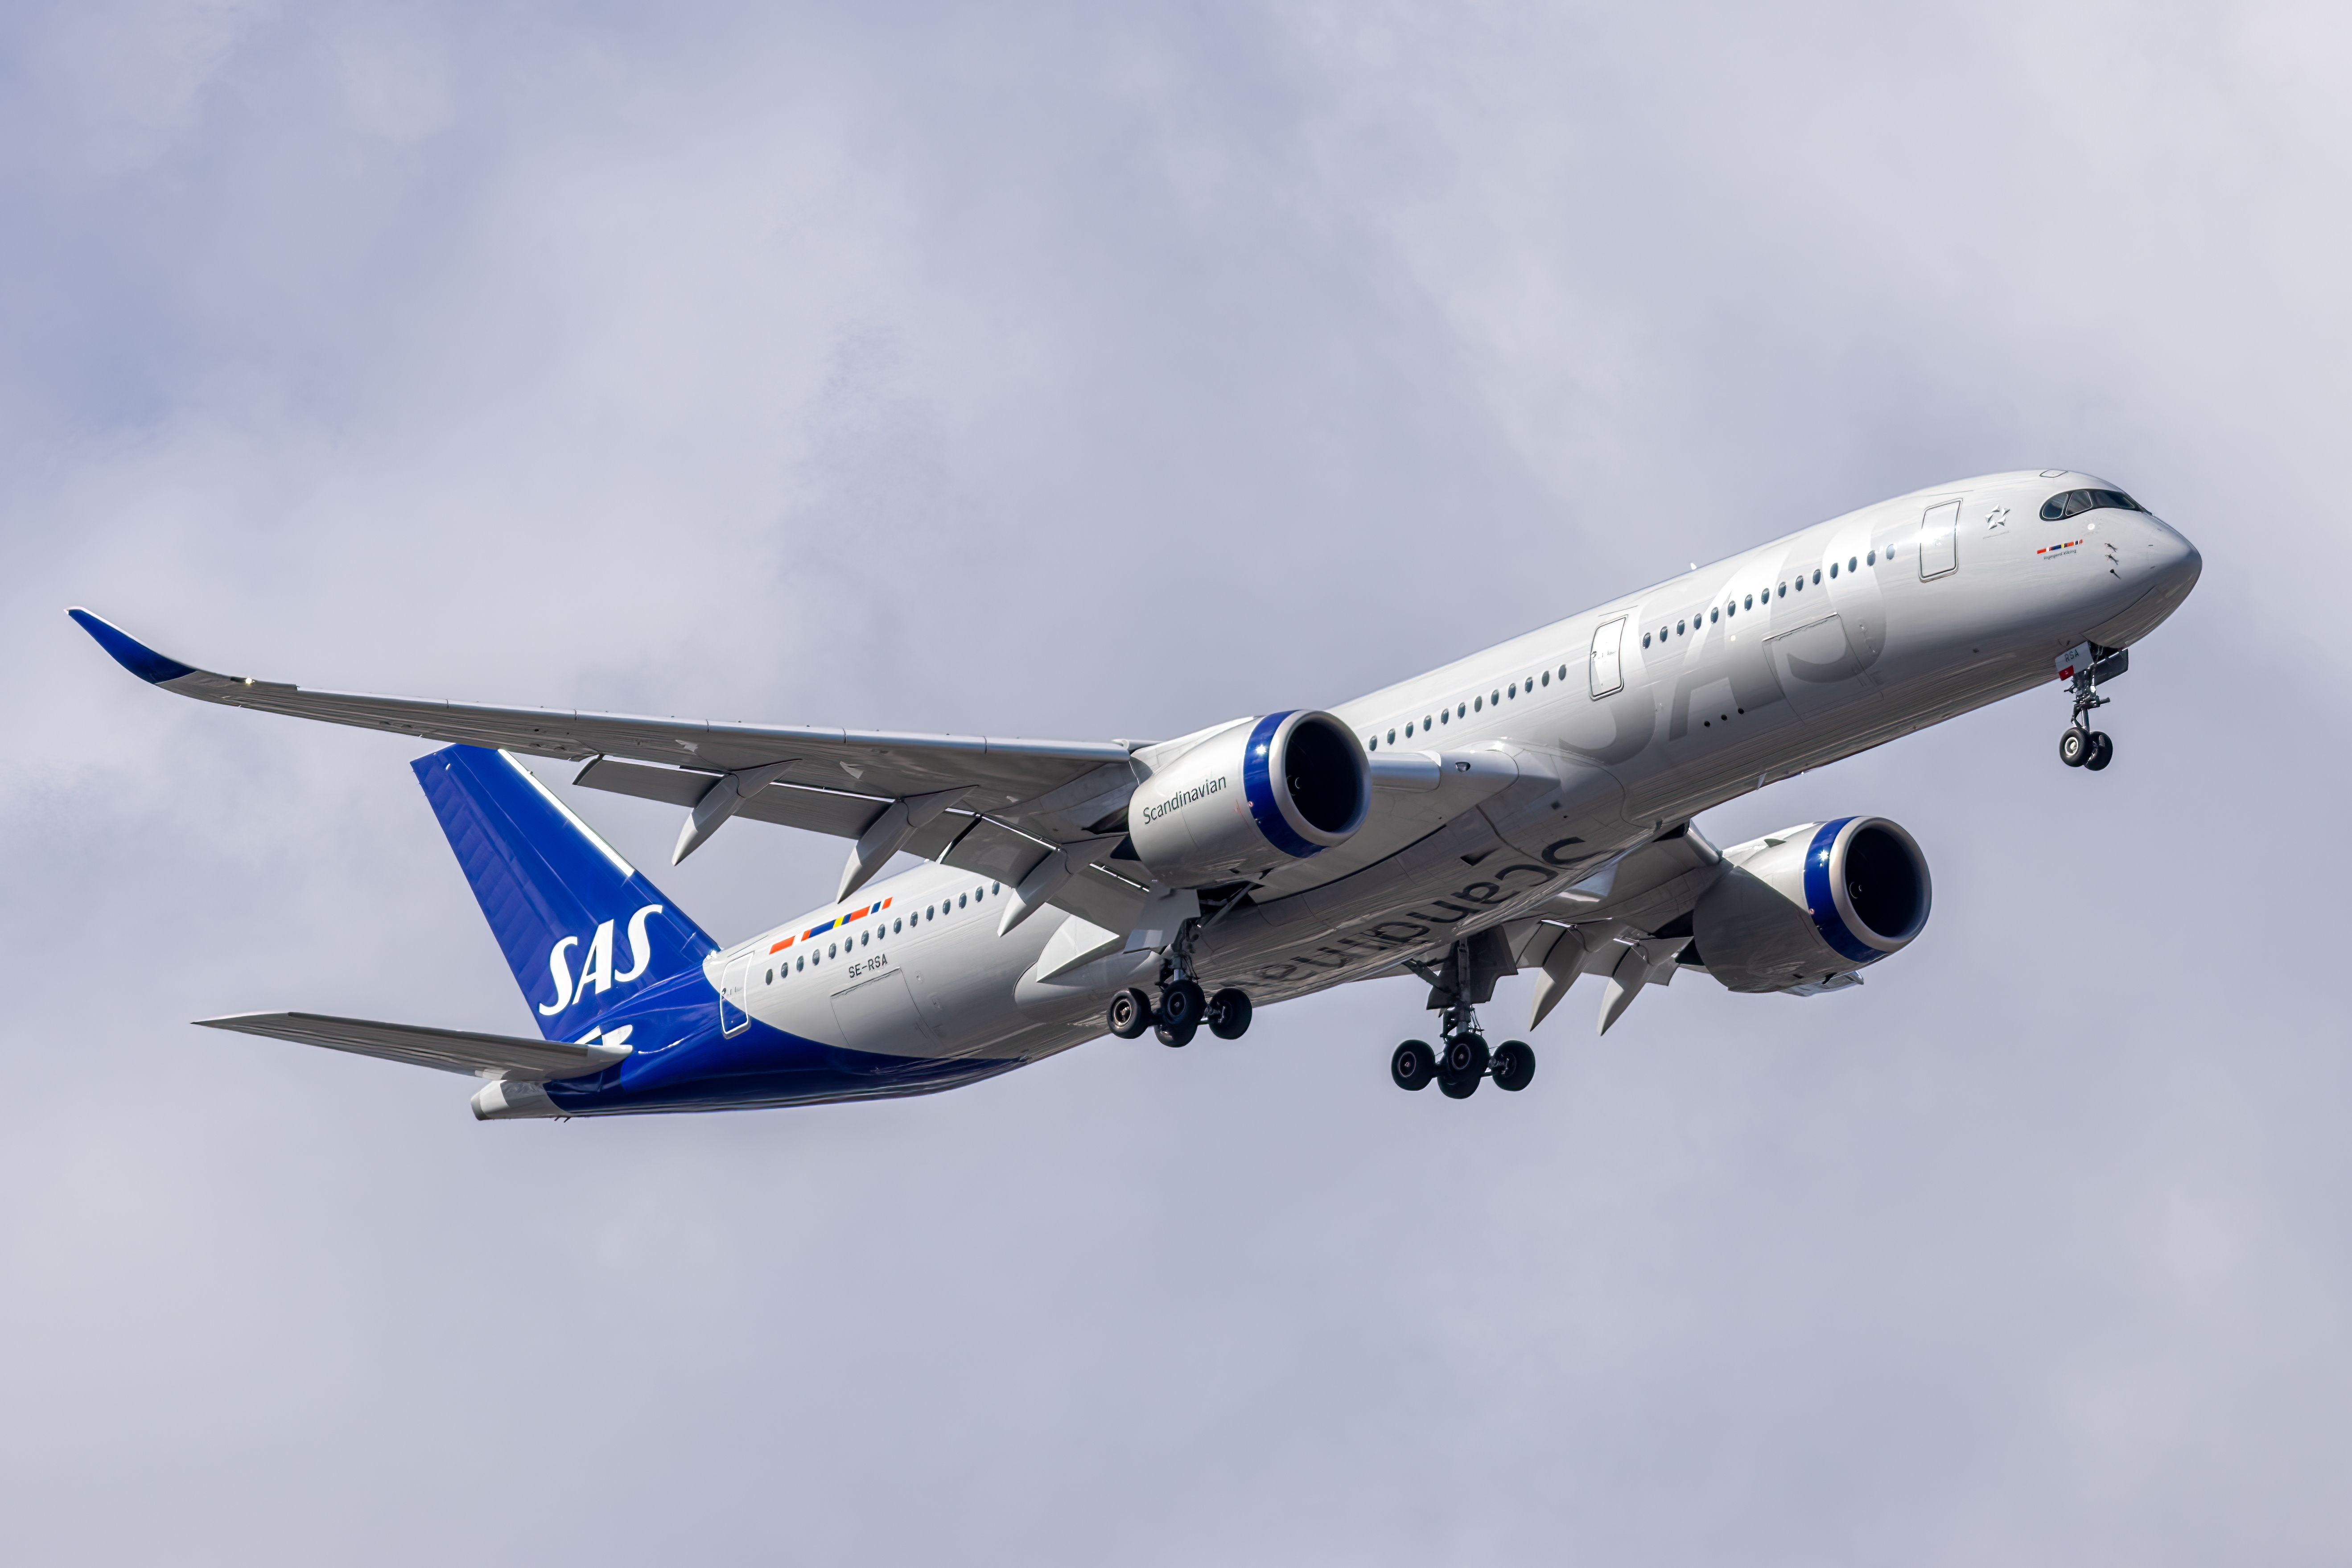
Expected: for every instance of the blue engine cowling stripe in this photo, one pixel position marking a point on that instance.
(1821, 902)
(1257, 784)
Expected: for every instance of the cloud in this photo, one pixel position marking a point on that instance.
(1111, 373)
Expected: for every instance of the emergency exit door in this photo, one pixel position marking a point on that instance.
(1939, 540)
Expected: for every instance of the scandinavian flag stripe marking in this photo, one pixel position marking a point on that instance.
(817, 931)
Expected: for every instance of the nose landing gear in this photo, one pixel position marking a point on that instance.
(2084, 667)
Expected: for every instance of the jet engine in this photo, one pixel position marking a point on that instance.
(1804, 908)
(1245, 798)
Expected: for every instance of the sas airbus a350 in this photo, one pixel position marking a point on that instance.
(1529, 807)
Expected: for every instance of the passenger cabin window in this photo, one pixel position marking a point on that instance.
(1832, 568)
(2073, 503)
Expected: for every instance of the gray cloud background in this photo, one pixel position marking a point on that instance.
(1038, 369)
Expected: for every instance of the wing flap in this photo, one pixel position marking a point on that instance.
(842, 815)
(450, 1050)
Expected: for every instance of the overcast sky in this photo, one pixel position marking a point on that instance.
(1090, 372)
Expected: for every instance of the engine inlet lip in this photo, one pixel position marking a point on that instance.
(1861, 930)
(1342, 740)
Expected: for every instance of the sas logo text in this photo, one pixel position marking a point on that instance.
(595, 971)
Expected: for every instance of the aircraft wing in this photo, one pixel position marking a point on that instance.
(451, 1050)
(994, 773)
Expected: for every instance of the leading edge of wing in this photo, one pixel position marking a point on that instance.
(571, 735)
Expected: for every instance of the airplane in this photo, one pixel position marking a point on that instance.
(1529, 807)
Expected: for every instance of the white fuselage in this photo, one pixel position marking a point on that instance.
(1572, 743)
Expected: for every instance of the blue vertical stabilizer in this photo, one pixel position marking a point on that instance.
(582, 931)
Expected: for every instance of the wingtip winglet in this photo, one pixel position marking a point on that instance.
(128, 651)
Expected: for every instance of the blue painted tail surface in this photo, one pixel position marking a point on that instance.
(583, 934)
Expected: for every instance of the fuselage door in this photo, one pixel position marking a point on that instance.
(731, 985)
(1939, 530)
(1608, 668)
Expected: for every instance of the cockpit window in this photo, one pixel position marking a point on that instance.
(2072, 503)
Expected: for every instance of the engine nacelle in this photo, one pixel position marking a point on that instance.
(1802, 909)
(1251, 797)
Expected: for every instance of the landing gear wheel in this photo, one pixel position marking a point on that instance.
(2103, 751)
(1182, 1004)
(2074, 746)
(1414, 1064)
(1459, 1085)
(1129, 1014)
(1514, 1065)
(1175, 1034)
(1229, 1013)
(1466, 1057)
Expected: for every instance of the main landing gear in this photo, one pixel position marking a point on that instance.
(1181, 1010)
(1182, 1006)
(2081, 746)
(1462, 1059)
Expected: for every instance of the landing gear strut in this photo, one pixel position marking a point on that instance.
(2081, 746)
(1462, 1059)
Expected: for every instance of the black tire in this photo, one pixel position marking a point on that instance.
(1514, 1065)
(1229, 1013)
(2074, 746)
(2102, 752)
(1129, 1014)
(1414, 1064)
(1459, 1085)
(1175, 1034)
(1182, 1004)
(1466, 1057)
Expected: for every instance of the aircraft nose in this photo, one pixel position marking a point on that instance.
(2175, 562)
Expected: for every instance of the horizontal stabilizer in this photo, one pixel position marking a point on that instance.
(451, 1050)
